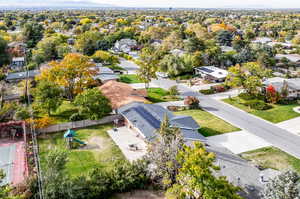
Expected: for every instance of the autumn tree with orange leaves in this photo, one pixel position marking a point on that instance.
(75, 73)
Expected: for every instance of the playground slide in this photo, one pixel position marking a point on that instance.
(79, 141)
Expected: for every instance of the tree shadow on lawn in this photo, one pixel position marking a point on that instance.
(207, 132)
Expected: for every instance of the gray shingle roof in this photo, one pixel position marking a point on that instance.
(148, 117)
(22, 75)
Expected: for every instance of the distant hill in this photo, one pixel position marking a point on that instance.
(18, 4)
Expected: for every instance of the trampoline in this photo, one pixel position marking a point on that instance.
(7, 156)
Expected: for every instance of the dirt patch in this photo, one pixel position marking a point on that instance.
(95, 143)
(141, 194)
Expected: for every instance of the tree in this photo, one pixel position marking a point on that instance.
(87, 43)
(4, 56)
(173, 41)
(33, 33)
(224, 38)
(105, 57)
(50, 48)
(248, 76)
(173, 91)
(194, 44)
(272, 95)
(148, 65)
(48, 95)
(92, 104)
(195, 178)
(74, 73)
(162, 155)
(174, 65)
(284, 186)
(56, 182)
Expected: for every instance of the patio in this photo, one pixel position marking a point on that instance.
(132, 146)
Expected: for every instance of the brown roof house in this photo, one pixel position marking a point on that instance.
(121, 94)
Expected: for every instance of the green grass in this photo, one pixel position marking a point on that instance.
(274, 158)
(64, 111)
(278, 113)
(83, 160)
(130, 79)
(210, 124)
(157, 95)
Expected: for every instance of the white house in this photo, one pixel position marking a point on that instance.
(211, 73)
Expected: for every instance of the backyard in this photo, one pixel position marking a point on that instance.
(210, 124)
(157, 95)
(278, 112)
(99, 152)
(274, 158)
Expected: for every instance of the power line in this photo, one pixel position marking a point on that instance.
(34, 138)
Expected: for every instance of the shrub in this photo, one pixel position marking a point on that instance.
(41, 122)
(218, 88)
(192, 102)
(207, 91)
(246, 96)
(76, 117)
(173, 91)
(258, 105)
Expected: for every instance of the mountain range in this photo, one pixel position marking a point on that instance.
(15, 4)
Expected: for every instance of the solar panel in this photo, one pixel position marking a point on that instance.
(206, 70)
(147, 116)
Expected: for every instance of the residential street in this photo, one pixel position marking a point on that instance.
(271, 133)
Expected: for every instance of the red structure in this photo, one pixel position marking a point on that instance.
(20, 164)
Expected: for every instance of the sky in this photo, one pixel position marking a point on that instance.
(170, 3)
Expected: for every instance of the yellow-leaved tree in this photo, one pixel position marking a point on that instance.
(75, 73)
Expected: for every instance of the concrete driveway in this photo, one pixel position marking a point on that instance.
(238, 142)
(124, 137)
(129, 66)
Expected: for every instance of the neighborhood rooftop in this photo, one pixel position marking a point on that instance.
(146, 118)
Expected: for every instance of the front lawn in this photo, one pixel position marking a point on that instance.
(278, 113)
(274, 158)
(100, 151)
(210, 124)
(130, 79)
(157, 95)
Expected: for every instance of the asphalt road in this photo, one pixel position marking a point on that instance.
(271, 133)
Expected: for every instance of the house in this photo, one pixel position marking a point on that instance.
(262, 40)
(240, 172)
(295, 58)
(177, 52)
(145, 119)
(292, 85)
(16, 77)
(125, 45)
(121, 94)
(17, 63)
(211, 73)
(16, 49)
(105, 74)
(283, 44)
(226, 49)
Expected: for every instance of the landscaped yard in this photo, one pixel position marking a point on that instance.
(130, 79)
(278, 113)
(157, 95)
(64, 111)
(274, 158)
(99, 152)
(210, 124)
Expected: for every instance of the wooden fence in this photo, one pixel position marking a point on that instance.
(78, 124)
